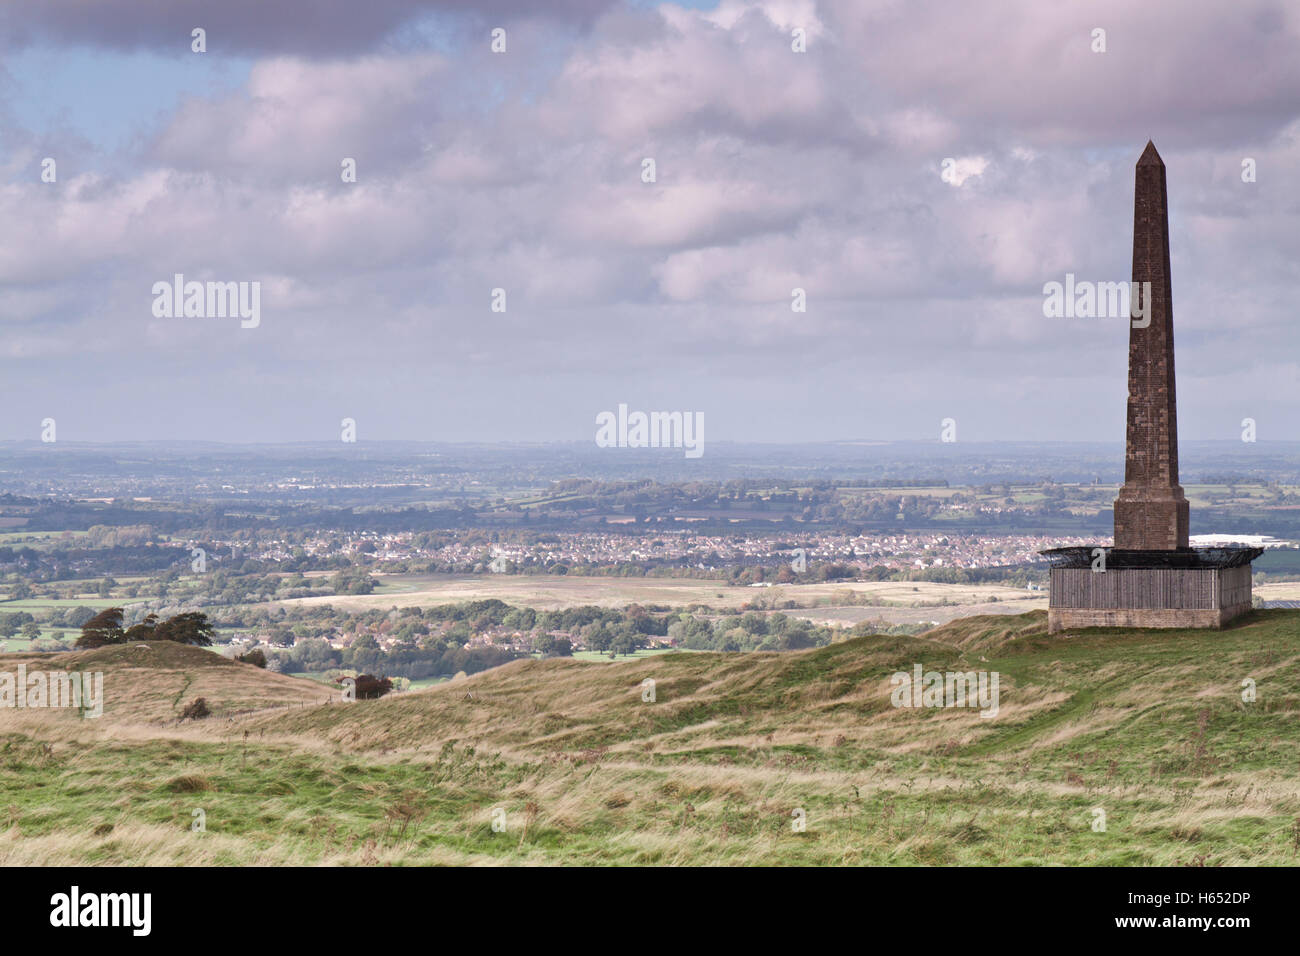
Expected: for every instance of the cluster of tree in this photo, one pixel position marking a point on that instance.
(431, 641)
(751, 631)
(1012, 576)
(119, 536)
(106, 628)
(432, 657)
(256, 657)
(453, 622)
(550, 645)
(17, 622)
(352, 581)
(367, 686)
(72, 561)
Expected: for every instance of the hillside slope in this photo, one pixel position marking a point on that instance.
(153, 681)
(756, 758)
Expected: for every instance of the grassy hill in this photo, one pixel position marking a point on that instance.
(153, 681)
(1148, 728)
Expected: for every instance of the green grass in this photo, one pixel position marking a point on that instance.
(317, 676)
(1149, 727)
(30, 604)
(599, 657)
(428, 682)
(16, 644)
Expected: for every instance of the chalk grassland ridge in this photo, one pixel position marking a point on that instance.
(1149, 727)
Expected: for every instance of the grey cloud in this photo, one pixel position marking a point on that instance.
(1185, 73)
(252, 27)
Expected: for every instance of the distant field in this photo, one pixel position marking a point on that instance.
(594, 657)
(319, 678)
(15, 644)
(427, 682)
(316, 676)
(12, 537)
(847, 616)
(554, 592)
(32, 603)
(1282, 591)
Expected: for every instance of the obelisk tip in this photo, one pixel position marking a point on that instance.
(1150, 157)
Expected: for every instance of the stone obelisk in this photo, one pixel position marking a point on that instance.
(1151, 511)
(1150, 578)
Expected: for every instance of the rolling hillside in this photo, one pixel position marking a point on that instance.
(1147, 731)
(152, 682)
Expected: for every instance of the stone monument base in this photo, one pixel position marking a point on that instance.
(1203, 588)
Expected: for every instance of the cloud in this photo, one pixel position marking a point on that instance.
(775, 170)
(254, 27)
(963, 168)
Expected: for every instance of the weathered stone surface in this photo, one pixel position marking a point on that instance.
(1071, 618)
(1151, 511)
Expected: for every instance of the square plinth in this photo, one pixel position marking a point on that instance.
(1160, 597)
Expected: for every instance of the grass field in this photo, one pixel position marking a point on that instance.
(578, 766)
(1281, 591)
(552, 592)
(842, 603)
(596, 657)
(320, 678)
(44, 604)
(18, 644)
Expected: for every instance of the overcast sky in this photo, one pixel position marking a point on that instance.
(522, 171)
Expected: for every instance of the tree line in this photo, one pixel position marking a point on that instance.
(105, 628)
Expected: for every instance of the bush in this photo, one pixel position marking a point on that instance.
(196, 709)
(369, 687)
(254, 657)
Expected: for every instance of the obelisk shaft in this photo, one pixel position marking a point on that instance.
(1151, 511)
